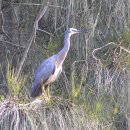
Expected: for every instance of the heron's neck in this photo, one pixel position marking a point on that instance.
(63, 53)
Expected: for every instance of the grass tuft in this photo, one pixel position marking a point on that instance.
(14, 84)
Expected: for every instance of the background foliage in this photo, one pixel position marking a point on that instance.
(93, 89)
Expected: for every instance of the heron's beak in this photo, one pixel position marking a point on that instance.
(82, 31)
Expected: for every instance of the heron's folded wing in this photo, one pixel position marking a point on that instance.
(44, 71)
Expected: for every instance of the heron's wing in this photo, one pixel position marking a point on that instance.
(36, 91)
(44, 71)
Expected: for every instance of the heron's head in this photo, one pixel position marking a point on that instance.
(72, 31)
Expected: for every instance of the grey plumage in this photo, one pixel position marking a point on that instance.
(50, 69)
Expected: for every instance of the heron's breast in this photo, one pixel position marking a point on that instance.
(54, 76)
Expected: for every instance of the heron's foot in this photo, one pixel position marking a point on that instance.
(46, 94)
(46, 98)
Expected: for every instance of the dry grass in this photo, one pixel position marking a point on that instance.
(36, 115)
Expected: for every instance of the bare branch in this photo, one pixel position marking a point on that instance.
(0, 4)
(95, 50)
(45, 32)
(12, 44)
(2, 27)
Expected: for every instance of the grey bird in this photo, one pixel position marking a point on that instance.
(51, 68)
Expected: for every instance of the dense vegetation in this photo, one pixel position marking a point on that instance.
(93, 91)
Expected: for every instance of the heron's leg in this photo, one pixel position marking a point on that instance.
(47, 90)
(44, 92)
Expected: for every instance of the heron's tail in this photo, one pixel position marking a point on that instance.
(36, 91)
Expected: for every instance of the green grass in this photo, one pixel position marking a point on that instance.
(126, 38)
(14, 84)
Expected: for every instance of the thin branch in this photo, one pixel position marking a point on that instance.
(36, 4)
(96, 21)
(2, 27)
(0, 9)
(0, 4)
(95, 50)
(0, 16)
(32, 37)
(12, 44)
(45, 32)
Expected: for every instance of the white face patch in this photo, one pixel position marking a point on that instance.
(73, 30)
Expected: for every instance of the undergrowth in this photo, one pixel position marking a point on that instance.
(97, 110)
